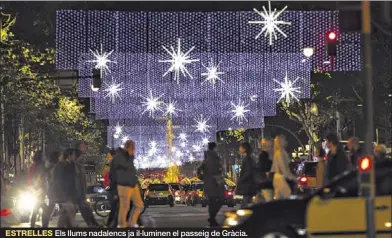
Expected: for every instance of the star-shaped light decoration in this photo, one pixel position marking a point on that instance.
(171, 109)
(102, 60)
(178, 61)
(270, 23)
(287, 89)
(196, 147)
(239, 111)
(205, 141)
(153, 148)
(113, 91)
(183, 137)
(152, 104)
(118, 128)
(201, 125)
(212, 74)
(124, 139)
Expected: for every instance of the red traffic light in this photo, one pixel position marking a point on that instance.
(365, 163)
(331, 36)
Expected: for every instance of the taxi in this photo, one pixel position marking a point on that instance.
(159, 194)
(194, 194)
(335, 211)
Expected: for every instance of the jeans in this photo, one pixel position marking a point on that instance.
(40, 204)
(126, 195)
(214, 205)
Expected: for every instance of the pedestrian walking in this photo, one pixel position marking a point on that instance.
(50, 166)
(337, 161)
(36, 181)
(319, 153)
(214, 183)
(66, 193)
(124, 172)
(264, 164)
(81, 186)
(283, 180)
(380, 153)
(246, 185)
(355, 151)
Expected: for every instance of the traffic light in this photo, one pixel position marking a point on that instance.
(366, 176)
(331, 43)
(97, 82)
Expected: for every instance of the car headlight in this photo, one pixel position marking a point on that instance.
(237, 218)
(88, 200)
(26, 201)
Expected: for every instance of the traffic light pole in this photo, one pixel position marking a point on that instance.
(369, 115)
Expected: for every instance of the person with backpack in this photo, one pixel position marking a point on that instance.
(36, 180)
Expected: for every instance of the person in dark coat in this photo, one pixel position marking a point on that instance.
(246, 185)
(355, 151)
(214, 184)
(264, 164)
(51, 164)
(125, 174)
(81, 186)
(337, 161)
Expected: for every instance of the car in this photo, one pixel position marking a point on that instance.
(331, 211)
(179, 193)
(159, 194)
(306, 173)
(194, 194)
(228, 200)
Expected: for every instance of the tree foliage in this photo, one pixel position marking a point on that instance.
(33, 103)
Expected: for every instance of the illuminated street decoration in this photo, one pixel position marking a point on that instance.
(152, 104)
(178, 61)
(287, 90)
(239, 111)
(212, 75)
(270, 23)
(113, 91)
(201, 124)
(102, 60)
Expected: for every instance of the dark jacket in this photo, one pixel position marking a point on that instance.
(336, 164)
(354, 157)
(65, 181)
(264, 164)
(123, 171)
(212, 175)
(246, 183)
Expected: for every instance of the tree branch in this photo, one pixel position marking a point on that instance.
(381, 28)
(357, 94)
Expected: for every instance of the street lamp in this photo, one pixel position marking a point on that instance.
(308, 52)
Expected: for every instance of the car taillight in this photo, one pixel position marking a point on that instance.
(303, 180)
(5, 212)
(228, 193)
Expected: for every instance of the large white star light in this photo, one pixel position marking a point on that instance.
(178, 61)
(212, 74)
(201, 124)
(270, 23)
(152, 104)
(239, 111)
(113, 91)
(102, 60)
(287, 89)
(205, 141)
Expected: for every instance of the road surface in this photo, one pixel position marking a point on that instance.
(160, 216)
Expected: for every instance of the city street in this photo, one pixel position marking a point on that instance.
(161, 216)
